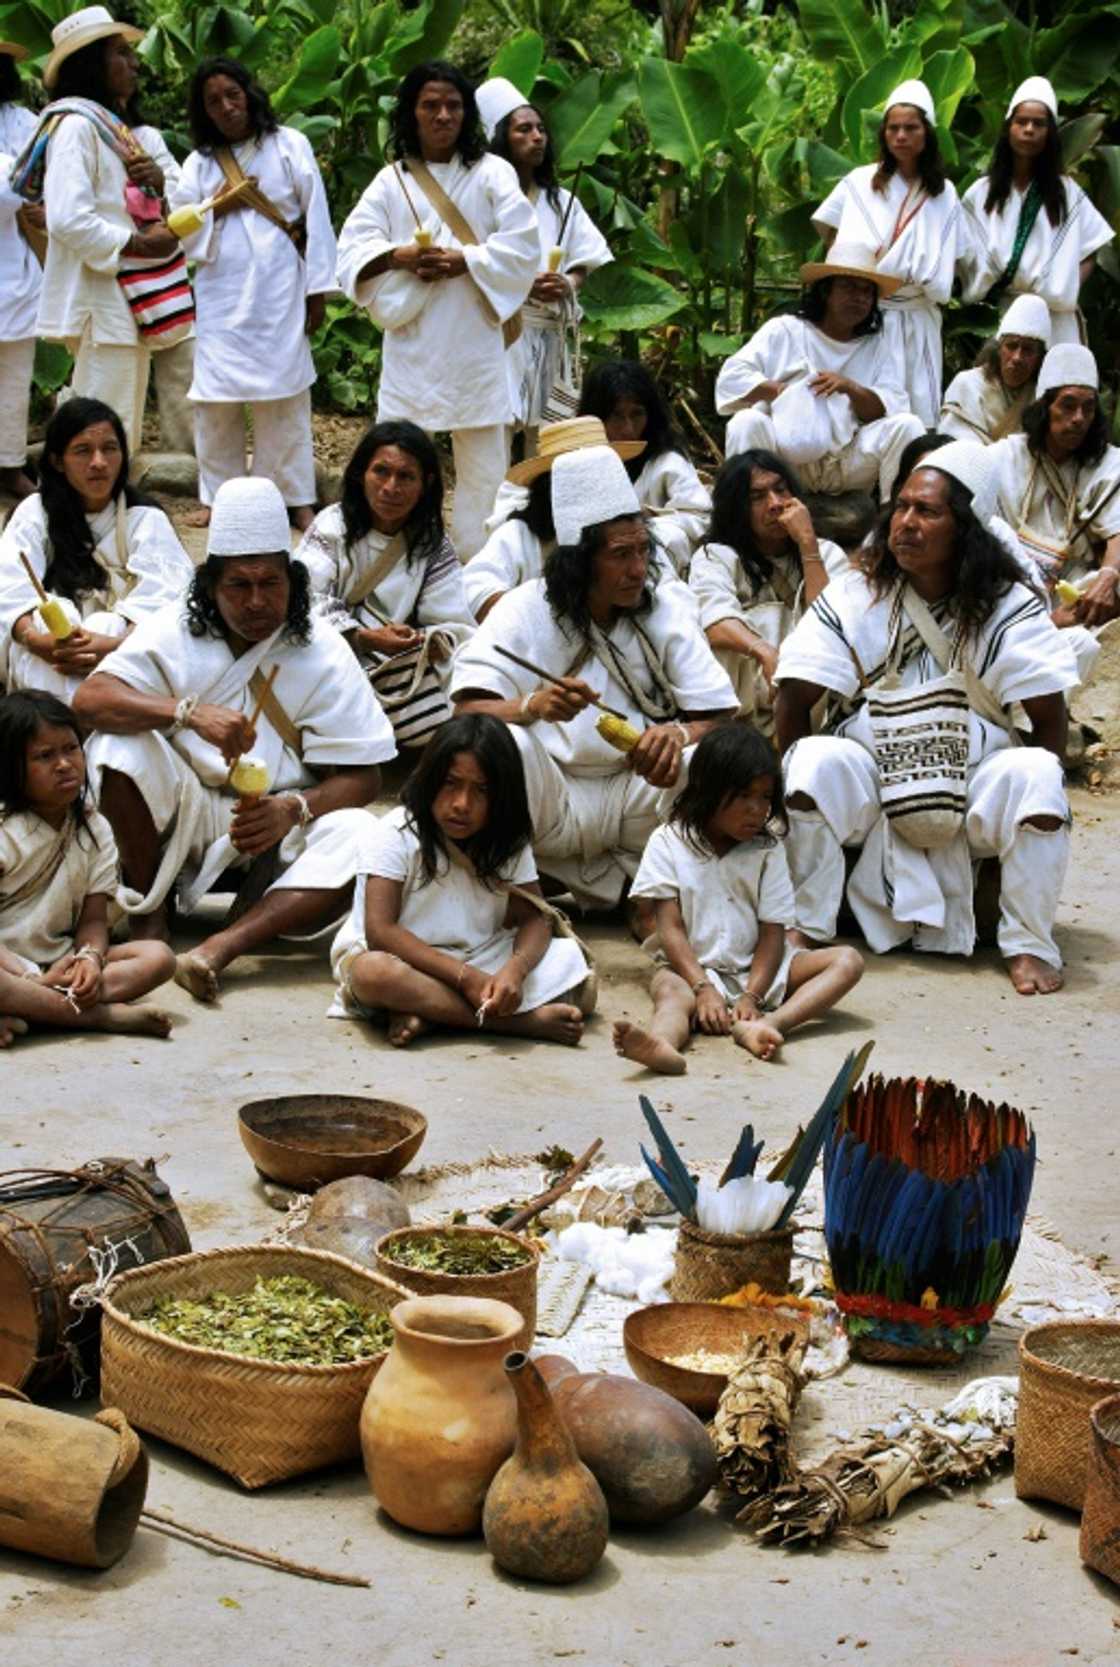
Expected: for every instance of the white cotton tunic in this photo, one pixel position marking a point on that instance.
(425, 593)
(723, 901)
(924, 254)
(443, 357)
(41, 928)
(251, 283)
(88, 226)
(510, 557)
(1052, 256)
(145, 567)
(454, 912)
(20, 273)
(677, 503)
(524, 622)
(1029, 504)
(533, 361)
(976, 404)
(784, 346)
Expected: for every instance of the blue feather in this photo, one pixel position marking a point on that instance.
(808, 1148)
(743, 1158)
(671, 1160)
(683, 1206)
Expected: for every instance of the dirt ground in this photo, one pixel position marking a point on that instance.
(955, 1586)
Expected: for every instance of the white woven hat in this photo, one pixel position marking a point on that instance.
(92, 23)
(1068, 365)
(496, 99)
(917, 94)
(1034, 90)
(589, 486)
(969, 463)
(1028, 315)
(248, 518)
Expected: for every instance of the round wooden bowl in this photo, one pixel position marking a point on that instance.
(653, 1336)
(306, 1140)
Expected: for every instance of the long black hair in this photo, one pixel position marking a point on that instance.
(1036, 421)
(729, 757)
(424, 530)
(544, 174)
(931, 164)
(205, 620)
(11, 83)
(21, 715)
(986, 570)
(1046, 171)
(537, 513)
(569, 572)
(84, 75)
(404, 133)
(914, 451)
(71, 567)
(814, 302)
(730, 520)
(205, 136)
(614, 379)
(508, 827)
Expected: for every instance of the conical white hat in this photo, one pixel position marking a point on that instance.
(248, 518)
(1028, 315)
(1068, 365)
(1034, 90)
(496, 99)
(589, 486)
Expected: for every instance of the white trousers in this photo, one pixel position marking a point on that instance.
(914, 331)
(116, 375)
(900, 894)
(589, 832)
(281, 445)
(481, 460)
(17, 360)
(870, 458)
(172, 373)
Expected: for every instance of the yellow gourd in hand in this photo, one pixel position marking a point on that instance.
(617, 732)
(1068, 595)
(249, 777)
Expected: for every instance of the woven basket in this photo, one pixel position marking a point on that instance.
(517, 1286)
(1065, 1367)
(712, 1265)
(1100, 1520)
(258, 1420)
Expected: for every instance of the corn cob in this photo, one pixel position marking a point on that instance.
(617, 732)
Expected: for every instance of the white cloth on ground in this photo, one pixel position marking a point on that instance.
(1052, 256)
(40, 928)
(152, 571)
(283, 449)
(184, 780)
(21, 276)
(443, 357)
(925, 254)
(975, 404)
(723, 902)
(17, 364)
(251, 283)
(453, 912)
(534, 359)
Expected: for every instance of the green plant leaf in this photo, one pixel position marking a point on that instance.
(314, 72)
(868, 94)
(684, 109)
(740, 75)
(520, 60)
(423, 33)
(1080, 135)
(580, 119)
(619, 297)
(727, 212)
(843, 31)
(718, 346)
(937, 25)
(1107, 183)
(53, 366)
(949, 77)
(1079, 55)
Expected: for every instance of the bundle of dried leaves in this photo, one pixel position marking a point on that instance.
(752, 1423)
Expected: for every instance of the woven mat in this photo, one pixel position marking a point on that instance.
(1047, 1281)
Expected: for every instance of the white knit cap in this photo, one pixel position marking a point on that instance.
(917, 94)
(248, 518)
(1028, 315)
(496, 99)
(970, 463)
(1068, 365)
(1034, 90)
(589, 486)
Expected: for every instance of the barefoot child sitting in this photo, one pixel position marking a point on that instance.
(58, 870)
(717, 875)
(435, 937)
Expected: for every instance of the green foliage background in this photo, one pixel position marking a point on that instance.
(707, 132)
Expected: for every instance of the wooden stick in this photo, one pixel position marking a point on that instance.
(163, 1523)
(571, 204)
(264, 694)
(700, 429)
(407, 195)
(550, 677)
(565, 1184)
(34, 577)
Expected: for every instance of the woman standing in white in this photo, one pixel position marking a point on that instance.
(905, 208)
(20, 276)
(516, 131)
(1033, 229)
(264, 264)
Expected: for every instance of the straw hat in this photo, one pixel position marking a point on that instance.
(1034, 90)
(497, 99)
(9, 49)
(574, 434)
(850, 260)
(1028, 315)
(248, 518)
(92, 23)
(590, 486)
(1068, 365)
(917, 94)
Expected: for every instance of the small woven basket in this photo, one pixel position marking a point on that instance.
(517, 1286)
(1065, 1367)
(1100, 1520)
(712, 1265)
(258, 1420)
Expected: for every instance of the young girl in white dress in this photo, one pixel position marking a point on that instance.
(444, 931)
(58, 870)
(717, 875)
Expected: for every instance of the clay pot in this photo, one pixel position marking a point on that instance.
(361, 1195)
(652, 1458)
(545, 1516)
(440, 1416)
